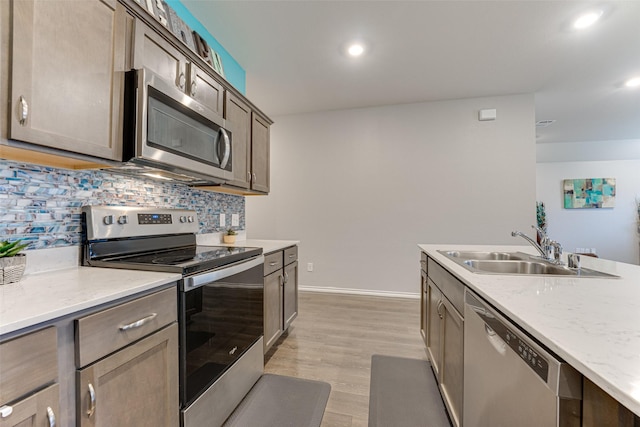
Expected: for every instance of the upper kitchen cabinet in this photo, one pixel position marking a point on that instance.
(238, 117)
(154, 53)
(67, 73)
(250, 141)
(260, 153)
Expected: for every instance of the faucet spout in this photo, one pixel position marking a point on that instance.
(531, 241)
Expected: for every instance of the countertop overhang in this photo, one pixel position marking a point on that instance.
(591, 323)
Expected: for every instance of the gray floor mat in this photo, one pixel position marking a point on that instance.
(404, 393)
(281, 401)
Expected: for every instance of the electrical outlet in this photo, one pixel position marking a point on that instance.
(235, 220)
(309, 266)
(223, 221)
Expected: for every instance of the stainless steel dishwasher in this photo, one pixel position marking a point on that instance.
(509, 379)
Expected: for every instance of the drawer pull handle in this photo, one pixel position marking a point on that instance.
(92, 400)
(139, 323)
(271, 264)
(291, 256)
(51, 417)
(5, 411)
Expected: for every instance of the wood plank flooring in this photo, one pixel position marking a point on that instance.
(333, 339)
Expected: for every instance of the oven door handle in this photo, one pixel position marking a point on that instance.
(202, 279)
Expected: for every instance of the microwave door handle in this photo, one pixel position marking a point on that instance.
(227, 148)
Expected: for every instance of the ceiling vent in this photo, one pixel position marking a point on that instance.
(544, 123)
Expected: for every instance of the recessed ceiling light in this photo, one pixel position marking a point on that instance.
(587, 19)
(355, 49)
(633, 83)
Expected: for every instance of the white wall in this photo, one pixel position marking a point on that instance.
(612, 232)
(361, 188)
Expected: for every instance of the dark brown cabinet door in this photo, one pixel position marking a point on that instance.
(136, 386)
(260, 154)
(290, 294)
(273, 284)
(68, 63)
(238, 117)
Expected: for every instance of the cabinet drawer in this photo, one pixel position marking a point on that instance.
(272, 262)
(28, 363)
(100, 334)
(451, 287)
(290, 255)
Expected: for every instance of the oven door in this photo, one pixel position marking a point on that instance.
(175, 132)
(220, 318)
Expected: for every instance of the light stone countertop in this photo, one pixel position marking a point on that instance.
(45, 296)
(591, 323)
(268, 246)
(54, 285)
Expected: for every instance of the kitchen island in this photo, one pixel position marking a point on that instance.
(591, 323)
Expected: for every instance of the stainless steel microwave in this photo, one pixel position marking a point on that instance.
(165, 129)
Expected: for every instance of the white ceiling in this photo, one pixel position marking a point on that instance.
(437, 50)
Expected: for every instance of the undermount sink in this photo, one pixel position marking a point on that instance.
(519, 267)
(485, 255)
(518, 263)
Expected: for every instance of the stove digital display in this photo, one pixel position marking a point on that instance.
(154, 219)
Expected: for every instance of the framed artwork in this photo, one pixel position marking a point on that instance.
(589, 193)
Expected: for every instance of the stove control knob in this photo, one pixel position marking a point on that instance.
(122, 219)
(108, 219)
(190, 218)
(183, 219)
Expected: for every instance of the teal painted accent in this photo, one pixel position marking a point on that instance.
(233, 72)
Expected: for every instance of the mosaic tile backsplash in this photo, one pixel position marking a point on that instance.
(42, 205)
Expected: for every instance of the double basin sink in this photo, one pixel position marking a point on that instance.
(518, 263)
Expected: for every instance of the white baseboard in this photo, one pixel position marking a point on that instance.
(367, 292)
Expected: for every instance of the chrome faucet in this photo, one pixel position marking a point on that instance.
(549, 249)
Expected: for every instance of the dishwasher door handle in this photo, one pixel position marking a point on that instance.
(494, 339)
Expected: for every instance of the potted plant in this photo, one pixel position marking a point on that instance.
(12, 263)
(230, 236)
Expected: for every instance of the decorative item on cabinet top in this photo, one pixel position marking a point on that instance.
(163, 13)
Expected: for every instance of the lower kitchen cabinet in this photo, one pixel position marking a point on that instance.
(443, 300)
(127, 359)
(29, 394)
(136, 386)
(280, 293)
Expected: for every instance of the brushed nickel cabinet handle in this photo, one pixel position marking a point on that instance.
(281, 279)
(255, 177)
(51, 417)
(139, 323)
(271, 264)
(249, 176)
(92, 400)
(24, 111)
(5, 411)
(440, 304)
(181, 81)
(291, 256)
(286, 277)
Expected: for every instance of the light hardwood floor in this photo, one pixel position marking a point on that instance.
(333, 339)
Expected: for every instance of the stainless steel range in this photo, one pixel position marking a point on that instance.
(220, 300)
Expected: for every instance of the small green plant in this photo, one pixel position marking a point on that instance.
(9, 249)
(231, 232)
(541, 216)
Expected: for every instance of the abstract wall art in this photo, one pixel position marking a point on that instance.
(589, 193)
